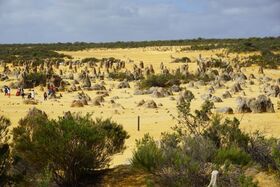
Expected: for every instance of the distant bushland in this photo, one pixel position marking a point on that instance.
(13, 52)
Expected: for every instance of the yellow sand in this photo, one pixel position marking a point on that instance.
(153, 121)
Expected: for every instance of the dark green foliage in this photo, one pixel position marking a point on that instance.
(205, 111)
(184, 153)
(238, 45)
(4, 151)
(5, 165)
(245, 181)
(159, 80)
(235, 177)
(147, 156)
(35, 79)
(194, 124)
(218, 63)
(179, 169)
(173, 164)
(4, 125)
(6, 160)
(202, 140)
(232, 155)
(227, 133)
(15, 52)
(266, 59)
(260, 150)
(276, 156)
(92, 59)
(182, 60)
(70, 146)
(11, 53)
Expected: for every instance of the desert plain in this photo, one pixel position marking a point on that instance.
(125, 110)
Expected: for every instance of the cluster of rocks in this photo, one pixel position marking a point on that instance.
(212, 98)
(3, 77)
(147, 104)
(256, 105)
(157, 92)
(98, 100)
(123, 84)
(81, 99)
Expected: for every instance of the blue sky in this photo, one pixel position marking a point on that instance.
(38, 21)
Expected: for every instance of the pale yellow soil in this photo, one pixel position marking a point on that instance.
(153, 121)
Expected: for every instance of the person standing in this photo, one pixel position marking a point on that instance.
(22, 93)
(45, 96)
(8, 92)
(5, 90)
(32, 94)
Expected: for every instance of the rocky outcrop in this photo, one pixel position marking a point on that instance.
(260, 104)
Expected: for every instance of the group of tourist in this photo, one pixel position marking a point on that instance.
(31, 95)
(20, 92)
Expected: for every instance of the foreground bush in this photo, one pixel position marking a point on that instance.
(4, 151)
(148, 156)
(232, 155)
(172, 164)
(69, 147)
(10, 174)
(203, 142)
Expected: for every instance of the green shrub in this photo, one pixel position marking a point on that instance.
(266, 59)
(199, 148)
(196, 123)
(160, 80)
(10, 175)
(245, 181)
(92, 59)
(233, 155)
(226, 133)
(235, 176)
(260, 150)
(218, 63)
(178, 161)
(276, 156)
(179, 169)
(147, 155)
(35, 79)
(4, 151)
(182, 60)
(70, 146)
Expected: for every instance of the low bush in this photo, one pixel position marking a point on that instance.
(69, 147)
(232, 155)
(260, 150)
(159, 80)
(245, 181)
(9, 174)
(175, 161)
(35, 79)
(182, 60)
(147, 155)
(226, 133)
(92, 59)
(266, 59)
(276, 156)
